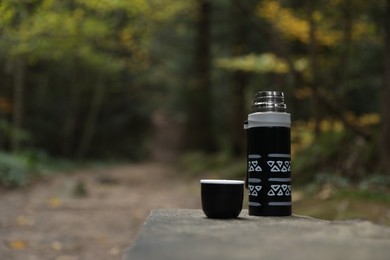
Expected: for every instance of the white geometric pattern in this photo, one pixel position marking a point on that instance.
(254, 190)
(279, 190)
(254, 166)
(279, 166)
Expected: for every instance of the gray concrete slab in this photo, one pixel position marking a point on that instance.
(188, 234)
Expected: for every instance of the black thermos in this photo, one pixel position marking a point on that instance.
(269, 157)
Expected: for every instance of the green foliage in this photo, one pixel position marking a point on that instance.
(336, 154)
(7, 130)
(17, 170)
(195, 163)
(24, 168)
(333, 196)
(345, 206)
(374, 187)
(306, 163)
(371, 195)
(71, 49)
(264, 63)
(80, 190)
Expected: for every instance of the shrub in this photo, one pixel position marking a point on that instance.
(16, 170)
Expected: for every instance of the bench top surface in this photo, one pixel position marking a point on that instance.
(188, 234)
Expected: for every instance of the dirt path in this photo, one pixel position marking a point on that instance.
(93, 214)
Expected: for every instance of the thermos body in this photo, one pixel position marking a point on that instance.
(269, 163)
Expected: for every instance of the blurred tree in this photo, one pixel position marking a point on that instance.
(80, 78)
(199, 131)
(313, 80)
(385, 131)
(239, 30)
(19, 78)
(13, 17)
(325, 48)
(56, 49)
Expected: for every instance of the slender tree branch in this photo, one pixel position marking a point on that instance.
(276, 44)
(279, 48)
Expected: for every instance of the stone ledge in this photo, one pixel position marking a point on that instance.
(188, 234)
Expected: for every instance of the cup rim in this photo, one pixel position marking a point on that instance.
(220, 181)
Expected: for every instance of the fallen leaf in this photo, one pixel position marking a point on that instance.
(103, 239)
(296, 196)
(54, 202)
(114, 251)
(67, 257)
(138, 213)
(57, 246)
(326, 192)
(18, 244)
(25, 220)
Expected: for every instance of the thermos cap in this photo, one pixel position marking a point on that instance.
(222, 198)
(269, 101)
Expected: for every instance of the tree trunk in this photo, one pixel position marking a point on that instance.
(19, 76)
(240, 78)
(89, 127)
(346, 49)
(69, 128)
(385, 131)
(199, 130)
(316, 108)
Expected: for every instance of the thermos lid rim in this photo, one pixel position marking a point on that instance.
(219, 181)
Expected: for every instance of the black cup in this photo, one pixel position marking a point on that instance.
(222, 198)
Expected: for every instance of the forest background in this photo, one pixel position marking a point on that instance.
(88, 80)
